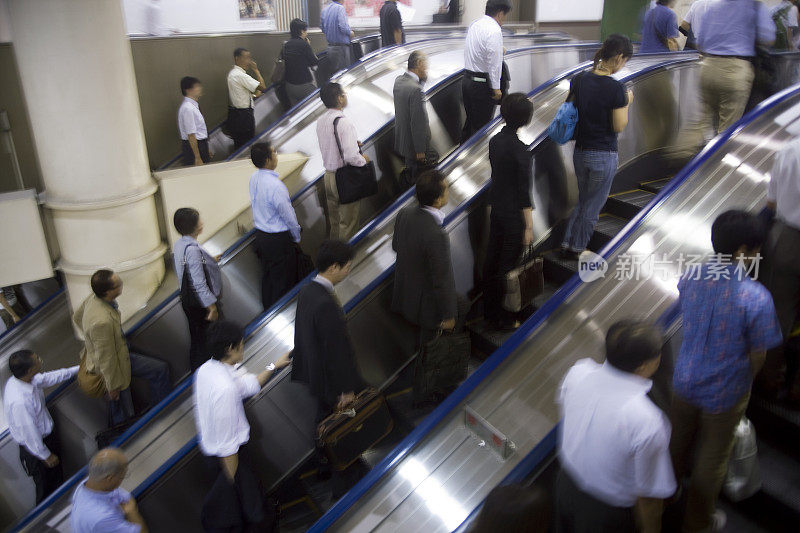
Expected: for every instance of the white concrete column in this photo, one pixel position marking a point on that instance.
(472, 9)
(77, 75)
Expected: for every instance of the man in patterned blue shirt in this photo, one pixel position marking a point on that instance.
(729, 322)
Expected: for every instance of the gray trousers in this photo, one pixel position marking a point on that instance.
(339, 57)
(297, 93)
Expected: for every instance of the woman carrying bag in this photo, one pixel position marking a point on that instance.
(298, 57)
(602, 105)
(200, 279)
(511, 222)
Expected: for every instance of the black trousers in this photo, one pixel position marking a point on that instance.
(502, 255)
(278, 265)
(198, 328)
(236, 507)
(187, 155)
(241, 125)
(46, 479)
(578, 512)
(478, 104)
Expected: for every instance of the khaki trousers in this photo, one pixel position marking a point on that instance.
(710, 437)
(725, 84)
(343, 219)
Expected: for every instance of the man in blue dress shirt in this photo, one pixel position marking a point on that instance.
(277, 229)
(660, 29)
(333, 23)
(729, 322)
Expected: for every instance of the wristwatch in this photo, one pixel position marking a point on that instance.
(271, 366)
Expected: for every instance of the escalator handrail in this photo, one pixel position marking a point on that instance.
(673, 313)
(278, 306)
(476, 378)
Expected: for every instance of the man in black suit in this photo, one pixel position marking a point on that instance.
(323, 356)
(424, 284)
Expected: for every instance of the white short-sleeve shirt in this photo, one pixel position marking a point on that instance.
(219, 390)
(784, 184)
(191, 121)
(241, 87)
(614, 442)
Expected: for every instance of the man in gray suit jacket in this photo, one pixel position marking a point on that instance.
(412, 133)
(424, 285)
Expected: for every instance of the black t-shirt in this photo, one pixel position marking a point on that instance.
(390, 21)
(299, 57)
(596, 98)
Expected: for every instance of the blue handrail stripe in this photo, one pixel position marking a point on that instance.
(455, 399)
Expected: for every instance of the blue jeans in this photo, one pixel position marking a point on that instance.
(155, 372)
(595, 171)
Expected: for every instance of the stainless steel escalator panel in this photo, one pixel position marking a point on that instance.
(173, 428)
(448, 474)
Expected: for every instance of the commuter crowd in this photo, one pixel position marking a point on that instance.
(623, 459)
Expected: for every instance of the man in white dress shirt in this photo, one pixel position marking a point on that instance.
(483, 67)
(242, 87)
(30, 423)
(614, 441)
(192, 125)
(343, 219)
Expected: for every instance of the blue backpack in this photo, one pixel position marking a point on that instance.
(562, 129)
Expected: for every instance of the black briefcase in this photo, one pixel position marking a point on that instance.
(441, 366)
(354, 183)
(351, 431)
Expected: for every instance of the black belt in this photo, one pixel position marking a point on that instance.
(231, 108)
(743, 58)
(338, 44)
(480, 77)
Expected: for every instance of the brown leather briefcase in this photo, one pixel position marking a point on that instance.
(348, 433)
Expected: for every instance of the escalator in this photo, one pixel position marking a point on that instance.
(160, 329)
(166, 471)
(438, 477)
(269, 107)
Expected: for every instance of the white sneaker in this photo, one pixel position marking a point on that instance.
(718, 520)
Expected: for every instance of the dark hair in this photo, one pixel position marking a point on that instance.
(631, 343)
(185, 220)
(416, 57)
(101, 282)
(734, 229)
(430, 186)
(259, 154)
(665, 2)
(239, 51)
(188, 82)
(222, 335)
(329, 94)
(614, 45)
(20, 363)
(517, 110)
(514, 509)
(296, 27)
(493, 7)
(332, 252)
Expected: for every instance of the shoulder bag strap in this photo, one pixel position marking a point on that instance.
(336, 136)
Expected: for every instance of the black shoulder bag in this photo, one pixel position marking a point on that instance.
(354, 183)
(189, 297)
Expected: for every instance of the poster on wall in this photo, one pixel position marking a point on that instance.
(256, 10)
(169, 17)
(362, 13)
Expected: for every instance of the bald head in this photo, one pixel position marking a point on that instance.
(107, 468)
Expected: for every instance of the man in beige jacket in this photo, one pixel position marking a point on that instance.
(106, 351)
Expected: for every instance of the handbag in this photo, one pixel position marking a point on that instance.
(189, 297)
(524, 283)
(441, 366)
(743, 478)
(353, 183)
(354, 429)
(562, 128)
(92, 385)
(279, 72)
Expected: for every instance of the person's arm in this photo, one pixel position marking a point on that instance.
(343, 24)
(22, 419)
(763, 329)
(103, 338)
(188, 126)
(311, 57)
(398, 36)
(685, 27)
(259, 84)
(283, 361)
(648, 514)
(230, 463)
(283, 203)
(349, 140)
(44, 380)
(525, 168)
(619, 116)
(419, 124)
(192, 138)
(765, 27)
(132, 514)
(672, 44)
(671, 37)
(496, 65)
(197, 276)
(437, 250)
(757, 360)
(8, 308)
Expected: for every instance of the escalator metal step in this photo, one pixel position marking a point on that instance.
(556, 269)
(608, 226)
(627, 204)
(654, 186)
